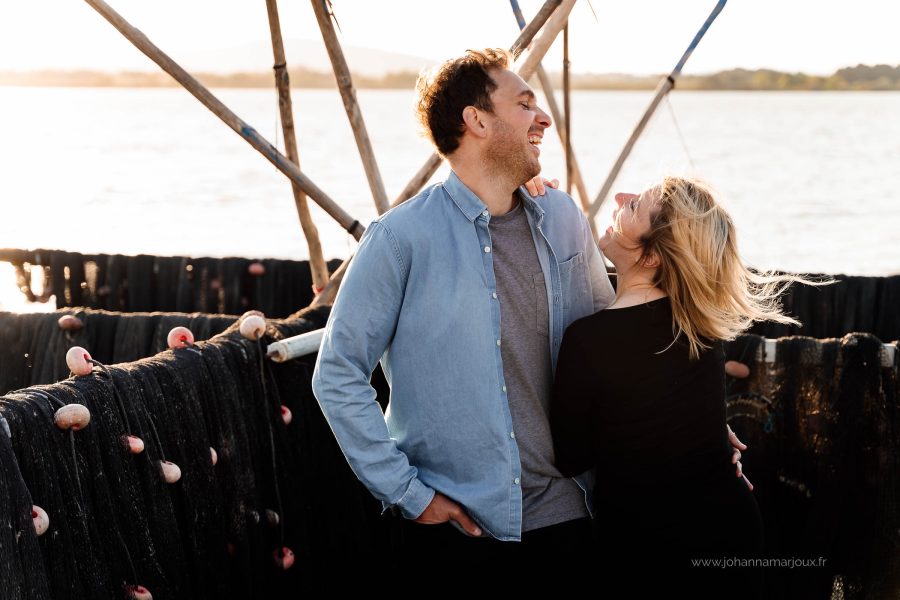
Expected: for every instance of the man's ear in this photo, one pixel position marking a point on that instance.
(472, 119)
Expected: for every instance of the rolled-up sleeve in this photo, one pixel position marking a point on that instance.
(359, 330)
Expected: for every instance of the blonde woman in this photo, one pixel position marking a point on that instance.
(639, 392)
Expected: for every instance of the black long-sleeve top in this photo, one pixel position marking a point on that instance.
(632, 404)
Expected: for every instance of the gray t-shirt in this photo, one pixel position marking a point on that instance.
(547, 497)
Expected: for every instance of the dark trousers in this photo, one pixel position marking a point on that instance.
(419, 546)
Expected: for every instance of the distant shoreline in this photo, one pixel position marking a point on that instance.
(858, 78)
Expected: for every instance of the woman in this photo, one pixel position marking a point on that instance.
(639, 393)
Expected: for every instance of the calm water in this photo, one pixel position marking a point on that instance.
(811, 179)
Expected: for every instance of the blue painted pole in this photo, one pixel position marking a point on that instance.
(664, 87)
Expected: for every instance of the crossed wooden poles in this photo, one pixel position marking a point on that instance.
(552, 18)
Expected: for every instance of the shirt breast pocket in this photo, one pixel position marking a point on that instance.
(574, 281)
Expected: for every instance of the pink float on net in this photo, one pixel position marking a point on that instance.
(133, 444)
(253, 327)
(170, 471)
(72, 416)
(180, 337)
(138, 592)
(78, 360)
(737, 369)
(213, 456)
(40, 519)
(70, 323)
(286, 415)
(257, 269)
(272, 517)
(284, 557)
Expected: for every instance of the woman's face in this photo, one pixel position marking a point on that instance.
(631, 222)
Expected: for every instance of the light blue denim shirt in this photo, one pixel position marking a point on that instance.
(420, 295)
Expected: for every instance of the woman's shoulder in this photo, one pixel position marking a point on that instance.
(637, 312)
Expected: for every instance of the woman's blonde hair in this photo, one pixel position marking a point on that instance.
(713, 295)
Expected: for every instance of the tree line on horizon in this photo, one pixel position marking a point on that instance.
(858, 78)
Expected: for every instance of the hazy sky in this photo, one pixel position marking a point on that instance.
(632, 36)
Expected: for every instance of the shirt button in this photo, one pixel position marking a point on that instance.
(487, 248)
(516, 481)
(504, 388)
(498, 342)
(484, 214)
(494, 295)
(512, 434)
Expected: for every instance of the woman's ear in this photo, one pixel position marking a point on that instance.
(649, 260)
(473, 121)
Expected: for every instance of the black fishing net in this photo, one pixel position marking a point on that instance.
(164, 283)
(858, 304)
(33, 345)
(114, 521)
(821, 422)
(822, 426)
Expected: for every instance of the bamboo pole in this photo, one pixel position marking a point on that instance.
(526, 34)
(525, 38)
(561, 127)
(281, 162)
(328, 295)
(420, 178)
(542, 43)
(664, 87)
(317, 266)
(560, 120)
(354, 114)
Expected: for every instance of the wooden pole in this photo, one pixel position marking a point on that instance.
(281, 162)
(567, 109)
(525, 70)
(317, 265)
(328, 295)
(664, 87)
(561, 127)
(348, 94)
(420, 178)
(525, 38)
(528, 32)
(542, 43)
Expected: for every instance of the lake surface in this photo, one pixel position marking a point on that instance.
(812, 179)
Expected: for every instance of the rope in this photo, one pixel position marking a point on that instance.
(680, 134)
(274, 456)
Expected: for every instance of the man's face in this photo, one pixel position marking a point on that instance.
(516, 128)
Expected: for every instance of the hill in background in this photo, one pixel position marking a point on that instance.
(858, 78)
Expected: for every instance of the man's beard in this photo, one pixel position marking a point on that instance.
(508, 157)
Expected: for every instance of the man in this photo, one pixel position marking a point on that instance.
(463, 293)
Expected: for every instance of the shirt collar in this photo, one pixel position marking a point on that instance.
(471, 205)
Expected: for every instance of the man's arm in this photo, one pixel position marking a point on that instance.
(360, 327)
